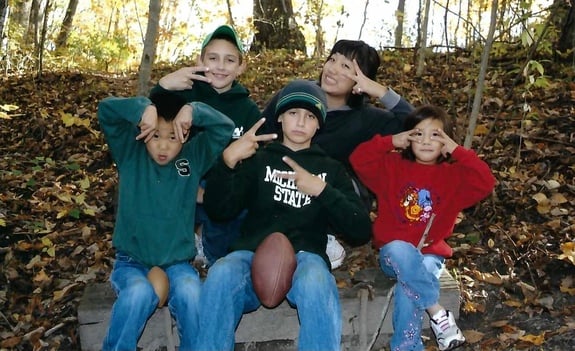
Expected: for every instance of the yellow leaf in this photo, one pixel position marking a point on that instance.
(89, 212)
(9, 108)
(85, 183)
(62, 213)
(540, 198)
(67, 118)
(47, 242)
(481, 129)
(64, 197)
(80, 199)
(568, 250)
(4, 115)
(557, 199)
(2, 222)
(51, 251)
(534, 339)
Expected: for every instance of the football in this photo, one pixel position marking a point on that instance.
(160, 283)
(273, 266)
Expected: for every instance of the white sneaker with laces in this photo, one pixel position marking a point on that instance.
(446, 332)
(335, 252)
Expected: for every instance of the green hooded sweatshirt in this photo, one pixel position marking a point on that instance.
(275, 205)
(155, 218)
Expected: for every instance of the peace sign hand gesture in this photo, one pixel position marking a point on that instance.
(246, 146)
(365, 84)
(306, 182)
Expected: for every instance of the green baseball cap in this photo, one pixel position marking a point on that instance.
(225, 31)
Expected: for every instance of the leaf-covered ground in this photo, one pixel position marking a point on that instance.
(514, 252)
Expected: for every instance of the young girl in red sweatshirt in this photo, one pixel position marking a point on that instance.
(418, 176)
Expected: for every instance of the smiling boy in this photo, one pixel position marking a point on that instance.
(214, 81)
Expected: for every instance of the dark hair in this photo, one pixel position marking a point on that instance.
(367, 58)
(422, 113)
(167, 104)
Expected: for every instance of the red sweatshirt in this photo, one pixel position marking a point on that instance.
(409, 192)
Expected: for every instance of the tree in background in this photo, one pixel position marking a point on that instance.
(66, 25)
(149, 52)
(276, 27)
(399, 15)
(565, 12)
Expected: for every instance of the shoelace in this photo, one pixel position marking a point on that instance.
(443, 323)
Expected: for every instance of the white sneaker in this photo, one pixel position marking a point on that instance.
(446, 331)
(200, 257)
(335, 252)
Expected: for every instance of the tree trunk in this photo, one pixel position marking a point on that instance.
(400, 15)
(276, 27)
(3, 17)
(66, 25)
(40, 46)
(32, 31)
(423, 43)
(481, 78)
(149, 51)
(566, 15)
(319, 47)
(364, 19)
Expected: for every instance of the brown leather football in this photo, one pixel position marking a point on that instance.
(273, 266)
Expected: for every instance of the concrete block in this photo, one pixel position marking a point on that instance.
(265, 329)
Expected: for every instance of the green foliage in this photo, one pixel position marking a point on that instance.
(100, 50)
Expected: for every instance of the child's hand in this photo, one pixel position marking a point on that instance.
(448, 144)
(306, 182)
(246, 146)
(148, 124)
(183, 122)
(364, 84)
(404, 139)
(183, 78)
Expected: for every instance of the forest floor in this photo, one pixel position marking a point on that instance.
(514, 252)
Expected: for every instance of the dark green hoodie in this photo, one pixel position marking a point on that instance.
(275, 205)
(155, 219)
(234, 103)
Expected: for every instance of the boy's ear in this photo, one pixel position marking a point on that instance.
(280, 118)
(242, 67)
(199, 60)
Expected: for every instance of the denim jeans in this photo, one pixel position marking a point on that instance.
(217, 237)
(228, 293)
(417, 288)
(136, 301)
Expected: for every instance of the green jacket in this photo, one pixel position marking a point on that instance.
(155, 218)
(275, 205)
(234, 103)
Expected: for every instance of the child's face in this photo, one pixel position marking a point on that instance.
(427, 150)
(224, 63)
(333, 80)
(164, 146)
(298, 126)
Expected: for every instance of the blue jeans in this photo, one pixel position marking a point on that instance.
(417, 288)
(228, 293)
(216, 236)
(136, 301)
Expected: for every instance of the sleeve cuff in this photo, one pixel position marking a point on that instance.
(390, 99)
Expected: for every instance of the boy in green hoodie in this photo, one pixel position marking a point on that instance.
(289, 186)
(214, 82)
(155, 216)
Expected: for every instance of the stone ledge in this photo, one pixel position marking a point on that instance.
(265, 329)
